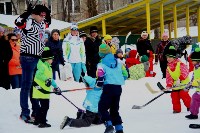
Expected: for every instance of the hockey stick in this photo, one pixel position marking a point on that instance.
(139, 107)
(49, 92)
(126, 39)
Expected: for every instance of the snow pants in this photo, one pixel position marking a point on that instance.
(195, 104)
(76, 70)
(110, 99)
(42, 112)
(177, 96)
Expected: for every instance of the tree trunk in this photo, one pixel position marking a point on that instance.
(92, 8)
(15, 9)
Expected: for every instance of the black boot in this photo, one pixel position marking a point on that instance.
(66, 121)
(191, 116)
(194, 126)
(44, 125)
(119, 131)
(109, 129)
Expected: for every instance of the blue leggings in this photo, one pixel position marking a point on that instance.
(76, 70)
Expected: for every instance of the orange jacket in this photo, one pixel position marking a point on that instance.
(14, 64)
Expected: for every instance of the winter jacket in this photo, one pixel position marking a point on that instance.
(44, 72)
(14, 64)
(160, 50)
(138, 71)
(92, 50)
(176, 70)
(5, 57)
(142, 46)
(196, 77)
(114, 73)
(132, 59)
(56, 49)
(92, 96)
(75, 49)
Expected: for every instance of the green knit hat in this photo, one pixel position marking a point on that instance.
(47, 54)
(196, 55)
(171, 52)
(104, 49)
(144, 58)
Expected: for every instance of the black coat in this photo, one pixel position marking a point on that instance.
(56, 49)
(143, 45)
(92, 50)
(5, 56)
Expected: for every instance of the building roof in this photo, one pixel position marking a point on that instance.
(132, 17)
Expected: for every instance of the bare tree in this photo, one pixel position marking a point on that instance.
(193, 19)
(15, 9)
(92, 8)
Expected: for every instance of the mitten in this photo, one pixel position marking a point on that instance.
(57, 91)
(48, 82)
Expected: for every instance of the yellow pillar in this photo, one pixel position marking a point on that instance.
(170, 30)
(148, 17)
(188, 20)
(198, 19)
(103, 27)
(175, 21)
(161, 20)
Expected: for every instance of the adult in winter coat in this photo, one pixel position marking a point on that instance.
(110, 75)
(56, 48)
(32, 23)
(15, 70)
(92, 44)
(5, 57)
(42, 83)
(90, 103)
(160, 54)
(75, 52)
(177, 74)
(144, 45)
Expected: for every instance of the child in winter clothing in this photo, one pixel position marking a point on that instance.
(110, 75)
(107, 40)
(177, 74)
(150, 72)
(195, 82)
(15, 70)
(132, 59)
(139, 71)
(119, 57)
(90, 103)
(191, 65)
(41, 84)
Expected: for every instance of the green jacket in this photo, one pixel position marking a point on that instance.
(44, 72)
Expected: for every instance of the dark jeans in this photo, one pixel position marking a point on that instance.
(110, 99)
(54, 69)
(28, 64)
(42, 112)
(163, 67)
(91, 69)
(16, 81)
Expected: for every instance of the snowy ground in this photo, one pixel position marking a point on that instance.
(157, 117)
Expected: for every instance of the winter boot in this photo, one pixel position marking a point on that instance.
(119, 129)
(66, 121)
(191, 116)
(44, 125)
(109, 127)
(175, 112)
(26, 119)
(194, 126)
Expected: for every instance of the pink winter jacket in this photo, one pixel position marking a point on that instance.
(184, 72)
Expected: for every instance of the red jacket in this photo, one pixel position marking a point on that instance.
(14, 64)
(132, 59)
(184, 72)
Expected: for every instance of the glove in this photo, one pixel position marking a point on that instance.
(48, 82)
(57, 91)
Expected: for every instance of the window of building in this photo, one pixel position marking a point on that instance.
(8, 8)
(2, 10)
